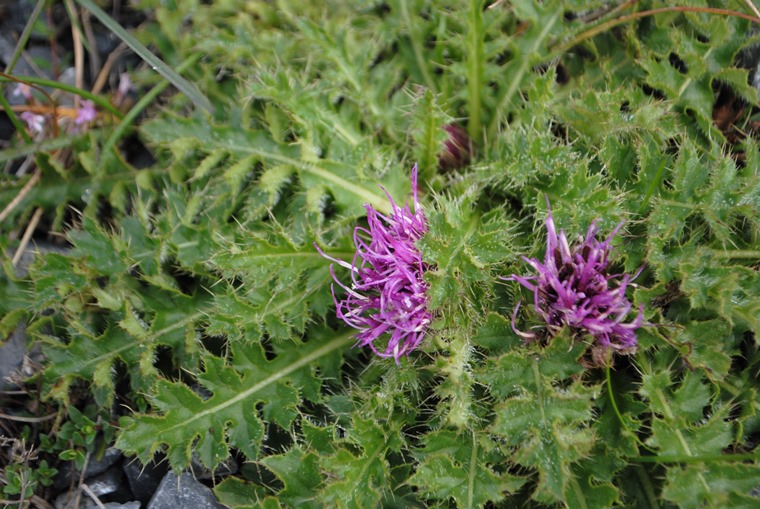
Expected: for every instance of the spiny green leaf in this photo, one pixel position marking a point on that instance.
(94, 245)
(183, 421)
(427, 131)
(680, 430)
(299, 471)
(710, 343)
(514, 371)
(586, 491)
(496, 334)
(547, 426)
(91, 356)
(456, 388)
(236, 493)
(712, 485)
(456, 465)
(255, 145)
(360, 479)
(462, 246)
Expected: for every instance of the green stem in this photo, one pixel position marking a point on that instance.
(103, 103)
(612, 398)
(738, 254)
(45, 145)
(646, 485)
(685, 458)
(615, 408)
(476, 51)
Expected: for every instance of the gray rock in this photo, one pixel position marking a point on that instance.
(12, 357)
(200, 472)
(107, 482)
(67, 472)
(13, 18)
(183, 492)
(143, 480)
(65, 502)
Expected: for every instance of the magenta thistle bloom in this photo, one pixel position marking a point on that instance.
(573, 289)
(387, 298)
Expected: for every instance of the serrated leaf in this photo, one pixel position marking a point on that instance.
(496, 334)
(236, 493)
(183, 421)
(712, 485)
(91, 356)
(453, 467)
(94, 245)
(249, 145)
(548, 427)
(359, 479)
(675, 441)
(299, 471)
(711, 345)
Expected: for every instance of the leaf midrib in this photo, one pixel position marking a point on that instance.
(279, 375)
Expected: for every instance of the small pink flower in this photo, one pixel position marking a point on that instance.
(86, 112)
(23, 90)
(125, 87)
(574, 289)
(35, 123)
(387, 299)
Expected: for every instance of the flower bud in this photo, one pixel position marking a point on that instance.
(457, 148)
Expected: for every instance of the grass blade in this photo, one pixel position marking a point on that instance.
(156, 63)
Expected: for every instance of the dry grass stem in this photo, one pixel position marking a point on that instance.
(27, 235)
(102, 77)
(21, 194)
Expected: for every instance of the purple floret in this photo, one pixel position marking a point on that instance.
(573, 289)
(86, 112)
(387, 297)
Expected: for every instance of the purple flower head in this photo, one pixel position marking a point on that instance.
(86, 113)
(386, 300)
(573, 289)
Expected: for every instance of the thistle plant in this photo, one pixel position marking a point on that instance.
(573, 288)
(189, 306)
(387, 295)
